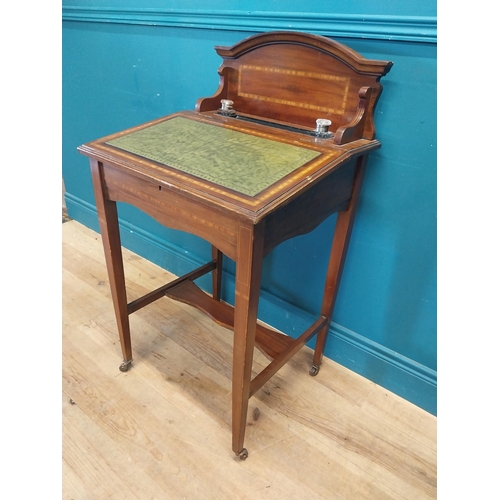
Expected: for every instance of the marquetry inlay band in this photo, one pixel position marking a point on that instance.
(267, 87)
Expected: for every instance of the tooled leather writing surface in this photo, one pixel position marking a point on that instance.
(240, 161)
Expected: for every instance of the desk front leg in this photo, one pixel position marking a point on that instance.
(110, 233)
(248, 275)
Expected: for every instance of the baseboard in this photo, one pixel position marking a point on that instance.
(389, 369)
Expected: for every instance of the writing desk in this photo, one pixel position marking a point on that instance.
(252, 166)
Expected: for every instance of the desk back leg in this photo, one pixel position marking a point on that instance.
(217, 273)
(110, 233)
(341, 237)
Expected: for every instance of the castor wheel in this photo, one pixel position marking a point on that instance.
(243, 455)
(313, 371)
(125, 366)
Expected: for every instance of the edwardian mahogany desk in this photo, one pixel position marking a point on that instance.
(279, 147)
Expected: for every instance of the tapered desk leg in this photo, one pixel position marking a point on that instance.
(110, 233)
(341, 237)
(217, 273)
(248, 275)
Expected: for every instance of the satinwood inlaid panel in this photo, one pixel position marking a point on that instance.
(286, 87)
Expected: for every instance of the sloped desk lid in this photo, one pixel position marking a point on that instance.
(230, 163)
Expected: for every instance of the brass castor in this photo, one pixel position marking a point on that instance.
(125, 366)
(313, 371)
(243, 455)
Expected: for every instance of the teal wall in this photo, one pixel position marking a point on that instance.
(127, 62)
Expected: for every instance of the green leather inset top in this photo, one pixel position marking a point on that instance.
(235, 160)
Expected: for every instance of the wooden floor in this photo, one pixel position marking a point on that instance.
(162, 430)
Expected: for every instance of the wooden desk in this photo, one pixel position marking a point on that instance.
(247, 175)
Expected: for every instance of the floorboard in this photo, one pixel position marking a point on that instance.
(162, 429)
